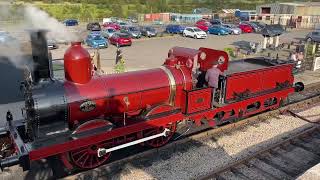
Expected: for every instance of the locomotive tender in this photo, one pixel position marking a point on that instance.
(86, 117)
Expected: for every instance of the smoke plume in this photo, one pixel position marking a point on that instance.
(24, 19)
(38, 19)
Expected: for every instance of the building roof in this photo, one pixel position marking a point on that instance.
(229, 11)
(304, 4)
(202, 11)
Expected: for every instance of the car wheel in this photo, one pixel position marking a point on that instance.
(117, 45)
(219, 34)
(309, 39)
(195, 36)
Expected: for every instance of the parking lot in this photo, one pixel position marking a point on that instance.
(150, 53)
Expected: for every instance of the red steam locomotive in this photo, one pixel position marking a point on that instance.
(85, 118)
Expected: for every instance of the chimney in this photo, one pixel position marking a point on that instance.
(42, 61)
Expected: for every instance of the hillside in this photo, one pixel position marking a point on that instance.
(93, 9)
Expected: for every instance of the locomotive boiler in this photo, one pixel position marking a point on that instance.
(84, 118)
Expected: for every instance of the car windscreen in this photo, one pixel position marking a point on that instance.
(133, 29)
(196, 30)
(98, 38)
(111, 30)
(124, 35)
(150, 29)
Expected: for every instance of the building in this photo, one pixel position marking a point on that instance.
(185, 18)
(298, 14)
(163, 17)
(202, 11)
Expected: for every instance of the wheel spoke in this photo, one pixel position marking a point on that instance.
(83, 155)
(87, 158)
(85, 161)
(79, 151)
(160, 141)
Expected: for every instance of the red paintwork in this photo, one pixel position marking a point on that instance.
(245, 28)
(120, 40)
(203, 25)
(258, 80)
(77, 64)
(213, 55)
(196, 101)
(149, 92)
(109, 92)
(112, 25)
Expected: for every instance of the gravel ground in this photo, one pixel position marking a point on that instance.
(211, 154)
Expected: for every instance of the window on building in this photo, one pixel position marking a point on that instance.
(252, 18)
(265, 10)
(259, 17)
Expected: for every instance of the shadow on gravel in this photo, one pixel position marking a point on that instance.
(245, 45)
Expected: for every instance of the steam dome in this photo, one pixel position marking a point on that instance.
(77, 64)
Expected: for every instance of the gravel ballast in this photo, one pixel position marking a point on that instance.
(216, 152)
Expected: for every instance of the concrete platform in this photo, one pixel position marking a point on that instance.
(308, 77)
(311, 174)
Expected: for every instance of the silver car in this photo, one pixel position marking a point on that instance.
(107, 33)
(313, 36)
(233, 28)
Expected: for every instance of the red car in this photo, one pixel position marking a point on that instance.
(203, 25)
(112, 25)
(121, 39)
(245, 28)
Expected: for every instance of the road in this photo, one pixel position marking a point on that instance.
(151, 53)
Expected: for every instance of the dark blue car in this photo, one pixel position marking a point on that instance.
(71, 22)
(174, 29)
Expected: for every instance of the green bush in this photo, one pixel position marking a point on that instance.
(120, 67)
(230, 52)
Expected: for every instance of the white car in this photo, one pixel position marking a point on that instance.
(194, 32)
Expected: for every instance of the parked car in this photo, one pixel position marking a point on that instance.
(123, 24)
(260, 24)
(133, 20)
(149, 31)
(313, 36)
(95, 26)
(232, 28)
(194, 32)
(157, 22)
(218, 30)
(120, 39)
(174, 29)
(216, 22)
(96, 41)
(112, 25)
(245, 28)
(133, 31)
(108, 32)
(71, 22)
(254, 26)
(203, 25)
(52, 44)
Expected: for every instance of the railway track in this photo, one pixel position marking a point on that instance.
(286, 159)
(300, 101)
